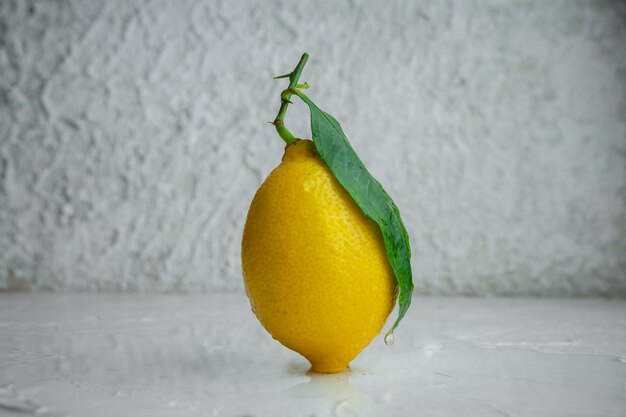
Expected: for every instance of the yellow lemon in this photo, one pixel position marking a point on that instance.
(314, 266)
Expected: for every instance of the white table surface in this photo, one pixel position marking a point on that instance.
(206, 355)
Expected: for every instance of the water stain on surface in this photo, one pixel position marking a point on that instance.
(335, 392)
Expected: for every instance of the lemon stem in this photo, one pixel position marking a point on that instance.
(278, 122)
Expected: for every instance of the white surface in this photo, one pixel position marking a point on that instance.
(133, 135)
(176, 355)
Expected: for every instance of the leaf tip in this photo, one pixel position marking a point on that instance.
(389, 338)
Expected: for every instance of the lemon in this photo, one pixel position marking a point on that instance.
(314, 266)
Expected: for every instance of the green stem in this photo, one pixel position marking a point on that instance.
(279, 123)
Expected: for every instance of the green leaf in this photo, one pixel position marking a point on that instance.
(335, 150)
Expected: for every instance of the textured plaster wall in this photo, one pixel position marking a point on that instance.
(133, 136)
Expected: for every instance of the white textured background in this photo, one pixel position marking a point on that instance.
(133, 136)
